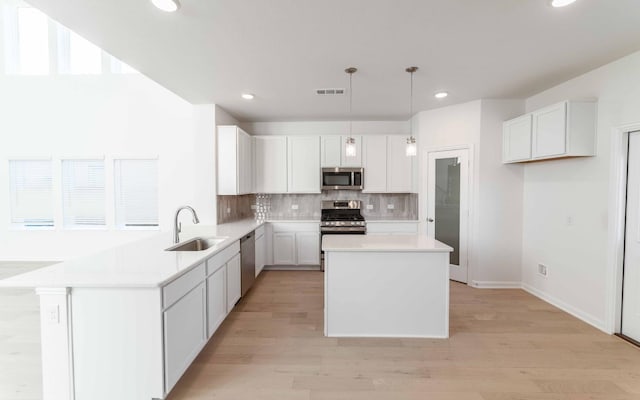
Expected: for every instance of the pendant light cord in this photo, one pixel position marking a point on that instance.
(411, 70)
(350, 105)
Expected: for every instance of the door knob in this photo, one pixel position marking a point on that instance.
(429, 219)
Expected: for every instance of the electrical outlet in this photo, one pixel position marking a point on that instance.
(228, 210)
(369, 206)
(294, 206)
(390, 207)
(542, 270)
(53, 314)
(254, 207)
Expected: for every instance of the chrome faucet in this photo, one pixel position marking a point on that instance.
(177, 226)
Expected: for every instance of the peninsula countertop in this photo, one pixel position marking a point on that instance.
(143, 263)
(384, 243)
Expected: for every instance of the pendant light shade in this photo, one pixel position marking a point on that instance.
(350, 144)
(412, 147)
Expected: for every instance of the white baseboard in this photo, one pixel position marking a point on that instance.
(581, 315)
(495, 285)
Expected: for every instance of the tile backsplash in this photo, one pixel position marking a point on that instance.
(296, 206)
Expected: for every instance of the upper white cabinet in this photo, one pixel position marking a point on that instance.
(235, 161)
(374, 160)
(333, 151)
(270, 164)
(566, 129)
(304, 164)
(516, 138)
(400, 168)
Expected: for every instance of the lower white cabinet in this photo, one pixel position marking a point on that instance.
(261, 253)
(307, 248)
(296, 243)
(233, 282)
(216, 299)
(184, 333)
(284, 248)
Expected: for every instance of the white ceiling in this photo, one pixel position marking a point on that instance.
(211, 51)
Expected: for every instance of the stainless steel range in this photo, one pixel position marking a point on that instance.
(341, 217)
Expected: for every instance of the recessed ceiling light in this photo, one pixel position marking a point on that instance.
(441, 95)
(166, 5)
(561, 3)
(247, 96)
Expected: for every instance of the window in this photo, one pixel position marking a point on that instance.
(76, 55)
(83, 193)
(136, 191)
(31, 192)
(32, 41)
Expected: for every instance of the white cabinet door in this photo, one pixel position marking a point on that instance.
(308, 248)
(399, 166)
(184, 334)
(233, 282)
(245, 163)
(261, 253)
(270, 164)
(330, 151)
(516, 136)
(284, 248)
(374, 159)
(216, 299)
(304, 164)
(351, 161)
(549, 131)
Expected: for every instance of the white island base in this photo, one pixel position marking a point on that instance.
(386, 286)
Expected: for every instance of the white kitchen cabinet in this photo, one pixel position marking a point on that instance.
(296, 243)
(308, 248)
(233, 282)
(392, 227)
(304, 164)
(284, 248)
(333, 152)
(400, 168)
(235, 161)
(216, 299)
(270, 164)
(565, 129)
(261, 249)
(184, 333)
(374, 161)
(516, 136)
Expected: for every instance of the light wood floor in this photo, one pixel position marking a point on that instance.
(504, 345)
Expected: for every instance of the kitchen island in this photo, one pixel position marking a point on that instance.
(386, 286)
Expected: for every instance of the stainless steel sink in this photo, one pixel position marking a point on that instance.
(197, 244)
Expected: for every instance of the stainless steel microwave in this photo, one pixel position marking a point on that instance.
(342, 178)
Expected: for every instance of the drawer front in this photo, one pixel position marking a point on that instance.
(181, 286)
(296, 226)
(216, 262)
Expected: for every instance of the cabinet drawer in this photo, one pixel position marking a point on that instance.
(181, 286)
(216, 262)
(296, 226)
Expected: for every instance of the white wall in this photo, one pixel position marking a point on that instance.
(577, 189)
(495, 189)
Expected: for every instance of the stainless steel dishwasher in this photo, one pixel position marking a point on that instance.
(248, 261)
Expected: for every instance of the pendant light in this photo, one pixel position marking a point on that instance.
(412, 147)
(350, 145)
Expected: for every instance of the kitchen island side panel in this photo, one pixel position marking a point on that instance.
(387, 294)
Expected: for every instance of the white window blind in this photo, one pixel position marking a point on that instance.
(136, 191)
(83, 193)
(31, 191)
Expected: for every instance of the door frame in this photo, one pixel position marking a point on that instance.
(617, 210)
(424, 191)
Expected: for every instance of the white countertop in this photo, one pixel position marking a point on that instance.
(383, 243)
(143, 263)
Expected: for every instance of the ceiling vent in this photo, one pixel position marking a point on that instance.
(331, 92)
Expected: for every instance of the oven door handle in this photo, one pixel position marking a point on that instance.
(345, 229)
